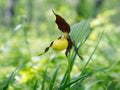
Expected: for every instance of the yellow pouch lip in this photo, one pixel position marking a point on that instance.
(60, 44)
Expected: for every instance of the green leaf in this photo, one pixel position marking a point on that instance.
(35, 85)
(80, 31)
(11, 78)
(99, 38)
(44, 79)
(54, 78)
(77, 86)
(112, 86)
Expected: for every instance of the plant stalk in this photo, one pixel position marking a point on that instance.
(69, 67)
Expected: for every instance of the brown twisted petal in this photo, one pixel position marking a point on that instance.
(46, 49)
(62, 24)
(71, 43)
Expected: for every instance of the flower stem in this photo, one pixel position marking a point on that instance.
(69, 71)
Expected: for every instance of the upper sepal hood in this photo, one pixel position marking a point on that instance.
(62, 24)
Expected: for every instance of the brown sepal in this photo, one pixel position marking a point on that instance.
(62, 24)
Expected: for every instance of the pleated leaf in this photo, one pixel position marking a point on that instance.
(80, 31)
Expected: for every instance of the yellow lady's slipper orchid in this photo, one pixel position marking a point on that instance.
(64, 42)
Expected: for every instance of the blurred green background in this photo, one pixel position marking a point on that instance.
(28, 26)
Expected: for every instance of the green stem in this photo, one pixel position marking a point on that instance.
(69, 71)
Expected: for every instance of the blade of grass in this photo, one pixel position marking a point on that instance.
(99, 38)
(44, 79)
(54, 78)
(10, 78)
(83, 77)
(47, 79)
(35, 85)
